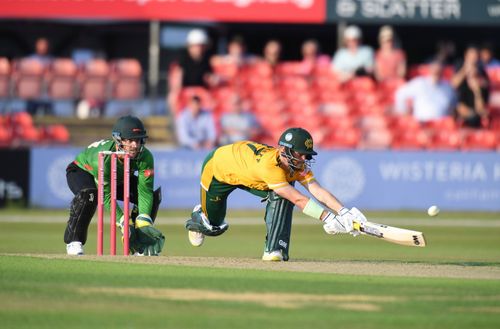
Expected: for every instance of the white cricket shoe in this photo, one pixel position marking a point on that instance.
(74, 248)
(273, 256)
(196, 238)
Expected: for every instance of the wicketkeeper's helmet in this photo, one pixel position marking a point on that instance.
(129, 127)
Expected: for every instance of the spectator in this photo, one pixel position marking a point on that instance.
(473, 94)
(238, 124)
(354, 59)
(486, 56)
(196, 127)
(193, 68)
(390, 61)
(41, 54)
(469, 63)
(426, 97)
(194, 64)
(272, 52)
(445, 52)
(311, 57)
(236, 54)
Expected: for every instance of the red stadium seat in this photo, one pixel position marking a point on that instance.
(21, 119)
(63, 79)
(5, 137)
(479, 140)
(409, 140)
(335, 109)
(376, 139)
(443, 124)
(361, 84)
(95, 80)
(56, 133)
(444, 140)
(373, 122)
(403, 123)
(28, 76)
(342, 139)
(127, 75)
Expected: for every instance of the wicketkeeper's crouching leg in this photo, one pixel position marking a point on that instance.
(278, 219)
(81, 211)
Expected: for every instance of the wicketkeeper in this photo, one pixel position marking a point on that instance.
(269, 173)
(130, 136)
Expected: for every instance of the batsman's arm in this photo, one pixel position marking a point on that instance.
(303, 202)
(324, 196)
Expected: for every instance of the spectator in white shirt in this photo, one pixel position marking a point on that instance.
(426, 97)
(196, 127)
(354, 59)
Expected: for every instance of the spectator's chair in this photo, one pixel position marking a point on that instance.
(126, 88)
(62, 86)
(95, 80)
(126, 75)
(28, 76)
(479, 140)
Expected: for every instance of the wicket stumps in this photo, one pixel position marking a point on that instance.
(100, 202)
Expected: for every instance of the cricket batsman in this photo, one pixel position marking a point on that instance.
(128, 135)
(269, 173)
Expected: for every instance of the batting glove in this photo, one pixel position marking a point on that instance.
(333, 224)
(346, 218)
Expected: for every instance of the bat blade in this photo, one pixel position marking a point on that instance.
(392, 234)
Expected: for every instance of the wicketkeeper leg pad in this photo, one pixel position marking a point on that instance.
(278, 218)
(82, 209)
(200, 223)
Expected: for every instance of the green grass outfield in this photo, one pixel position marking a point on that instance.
(330, 282)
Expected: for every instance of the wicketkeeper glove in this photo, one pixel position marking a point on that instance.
(150, 239)
(134, 245)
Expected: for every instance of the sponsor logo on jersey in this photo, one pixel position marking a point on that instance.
(148, 172)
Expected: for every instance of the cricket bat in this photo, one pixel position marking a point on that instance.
(391, 234)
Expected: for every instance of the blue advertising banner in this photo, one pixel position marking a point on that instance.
(368, 180)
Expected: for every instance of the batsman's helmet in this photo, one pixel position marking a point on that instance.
(298, 140)
(129, 127)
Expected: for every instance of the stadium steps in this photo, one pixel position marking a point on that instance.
(84, 132)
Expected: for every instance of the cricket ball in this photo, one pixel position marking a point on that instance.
(433, 211)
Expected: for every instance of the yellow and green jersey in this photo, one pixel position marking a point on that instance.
(250, 164)
(143, 165)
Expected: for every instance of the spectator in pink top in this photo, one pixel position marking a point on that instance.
(312, 58)
(390, 61)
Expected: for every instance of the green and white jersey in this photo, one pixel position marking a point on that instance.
(142, 165)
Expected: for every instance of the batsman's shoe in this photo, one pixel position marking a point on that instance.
(74, 248)
(196, 238)
(273, 256)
